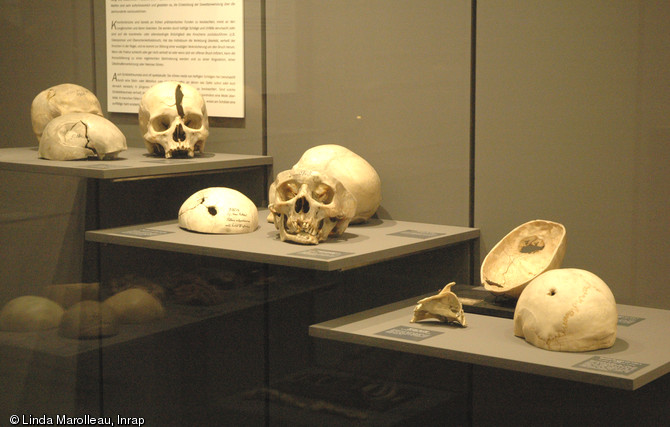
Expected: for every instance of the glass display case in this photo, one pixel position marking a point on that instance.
(233, 344)
(458, 108)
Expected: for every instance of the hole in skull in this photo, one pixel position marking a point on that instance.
(531, 245)
(552, 292)
(211, 210)
(178, 96)
(301, 205)
(179, 134)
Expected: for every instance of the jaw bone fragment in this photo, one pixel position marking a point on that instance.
(445, 307)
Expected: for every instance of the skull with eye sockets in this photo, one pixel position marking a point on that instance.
(173, 120)
(353, 171)
(309, 206)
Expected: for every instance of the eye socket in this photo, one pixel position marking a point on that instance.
(287, 191)
(193, 121)
(324, 194)
(161, 123)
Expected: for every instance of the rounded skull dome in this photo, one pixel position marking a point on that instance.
(61, 99)
(173, 120)
(89, 319)
(352, 170)
(218, 210)
(30, 313)
(136, 306)
(567, 309)
(75, 136)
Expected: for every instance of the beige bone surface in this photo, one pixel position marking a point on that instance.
(308, 206)
(30, 313)
(445, 307)
(524, 253)
(353, 171)
(567, 309)
(61, 99)
(173, 120)
(218, 210)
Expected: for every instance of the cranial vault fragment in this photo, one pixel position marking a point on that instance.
(524, 253)
(30, 313)
(445, 307)
(75, 136)
(567, 309)
(173, 120)
(309, 206)
(218, 210)
(135, 306)
(59, 100)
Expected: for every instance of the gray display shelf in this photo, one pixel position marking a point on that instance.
(375, 241)
(640, 354)
(135, 162)
(135, 188)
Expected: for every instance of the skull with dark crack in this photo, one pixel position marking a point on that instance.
(173, 120)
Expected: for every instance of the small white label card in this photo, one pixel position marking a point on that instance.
(611, 365)
(416, 234)
(321, 254)
(628, 320)
(144, 232)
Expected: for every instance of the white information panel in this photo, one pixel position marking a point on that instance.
(200, 43)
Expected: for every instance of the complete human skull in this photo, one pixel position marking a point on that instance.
(445, 307)
(173, 120)
(76, 136)
(61, 99)
(524, 253)
(30, 313)
(353, 171)
(567, 309)
(310, 206)
(218, 210)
